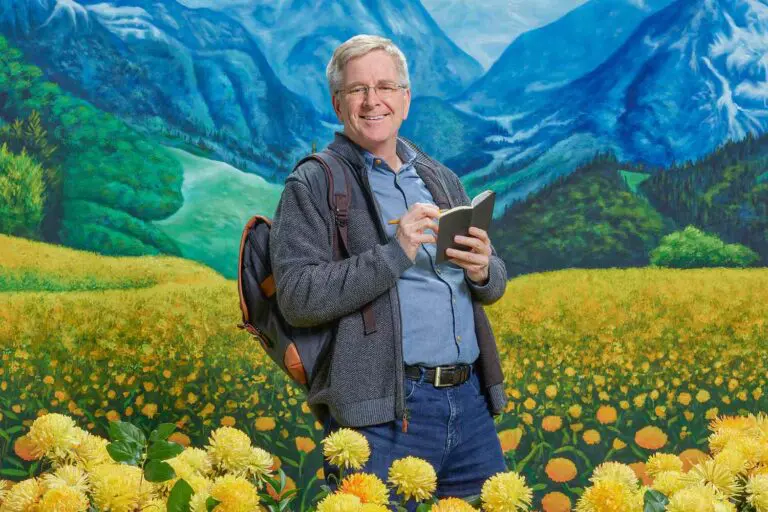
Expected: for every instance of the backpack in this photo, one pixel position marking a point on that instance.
(295, 350)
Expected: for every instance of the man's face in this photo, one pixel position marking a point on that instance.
(372, 121)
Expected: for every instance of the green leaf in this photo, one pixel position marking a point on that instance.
(124, 451)
(13, 472)
(211, 503)
(5, 435)
(473, 500)
(178, 500)
(164, 450)
(162, 432)
(655, 501)
(124, 431)
(15, 429)
(158, 471)
(423, 508)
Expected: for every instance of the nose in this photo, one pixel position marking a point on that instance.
(370, 94)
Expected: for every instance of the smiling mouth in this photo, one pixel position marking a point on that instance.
(373, 118)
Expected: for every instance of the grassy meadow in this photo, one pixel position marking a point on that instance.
(600, 364)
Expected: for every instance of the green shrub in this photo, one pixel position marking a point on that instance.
(692, 248)
(22, 194)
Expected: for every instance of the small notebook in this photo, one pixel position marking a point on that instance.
(458, 220)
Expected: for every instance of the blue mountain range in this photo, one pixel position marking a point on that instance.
(652, 81)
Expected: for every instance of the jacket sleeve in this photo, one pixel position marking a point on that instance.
(312, 288)
(493, 289)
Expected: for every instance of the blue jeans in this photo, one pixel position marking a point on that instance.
(451, 428)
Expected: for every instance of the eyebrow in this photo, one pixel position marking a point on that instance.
(355, 84)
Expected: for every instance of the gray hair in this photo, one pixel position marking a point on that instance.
(358, 46)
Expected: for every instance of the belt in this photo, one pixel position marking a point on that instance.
(440, 376)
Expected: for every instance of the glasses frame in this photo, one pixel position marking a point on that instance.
(348, 92)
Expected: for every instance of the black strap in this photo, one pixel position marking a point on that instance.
(339, 197)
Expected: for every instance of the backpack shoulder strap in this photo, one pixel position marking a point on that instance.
(339, 198)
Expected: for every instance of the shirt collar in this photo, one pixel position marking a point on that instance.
(405, 153)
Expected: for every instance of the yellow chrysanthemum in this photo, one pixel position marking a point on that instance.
(198, 502)
(693, 499)
(66, 476)
(659, 462)
(91, 450)
(506, 492)
(235, 494)
(732, 460)
(372, 507)
(615, 471)
(64, 499)
(197, 460)
(413, 478)
(710, 473)
(752, 450)
(53, 435)
(610, 496)
(260, 463)
(757, 492)
(346, 448)
(23, 497)
(670, 482)
(155, 505)
(340, 502)
(453, 505)
(369, 488)
(230, 449)
(119, 487)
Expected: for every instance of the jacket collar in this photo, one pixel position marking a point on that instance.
(354, 155)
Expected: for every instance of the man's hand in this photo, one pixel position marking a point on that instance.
(476, 258)
(410, 231)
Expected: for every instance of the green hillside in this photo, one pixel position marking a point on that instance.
(588, 219)
(103, 182)
(218, 200)
(725, 193)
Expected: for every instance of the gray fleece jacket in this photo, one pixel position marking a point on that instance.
(359, 379)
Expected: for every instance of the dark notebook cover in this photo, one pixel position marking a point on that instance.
(457, 221)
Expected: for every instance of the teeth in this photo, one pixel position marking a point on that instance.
(372, 118)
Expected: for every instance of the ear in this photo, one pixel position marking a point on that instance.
(406, 103)
(336, 102)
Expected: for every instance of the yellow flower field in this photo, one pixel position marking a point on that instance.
(600, 364)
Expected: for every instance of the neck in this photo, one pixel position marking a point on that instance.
(387, 151)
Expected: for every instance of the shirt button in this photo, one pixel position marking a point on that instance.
(458, 338)
(454, 301)
(437, 271)
(377, 161)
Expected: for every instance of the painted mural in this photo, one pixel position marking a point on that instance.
(625, 140)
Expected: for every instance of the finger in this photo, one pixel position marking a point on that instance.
(422, 224)
(469, 257)
(479, 233)
(425, 210)
(475, 243)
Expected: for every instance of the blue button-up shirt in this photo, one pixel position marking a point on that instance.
(435, 301)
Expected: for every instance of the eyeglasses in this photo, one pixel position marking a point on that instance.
(383, 90)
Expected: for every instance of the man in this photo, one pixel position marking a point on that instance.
(426, 380)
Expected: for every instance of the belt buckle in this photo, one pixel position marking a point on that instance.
(438, 376)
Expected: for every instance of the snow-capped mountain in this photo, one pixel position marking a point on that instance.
(540, 61)
(485, 29)
(691, 77)
(164, 65)
(298, 38)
